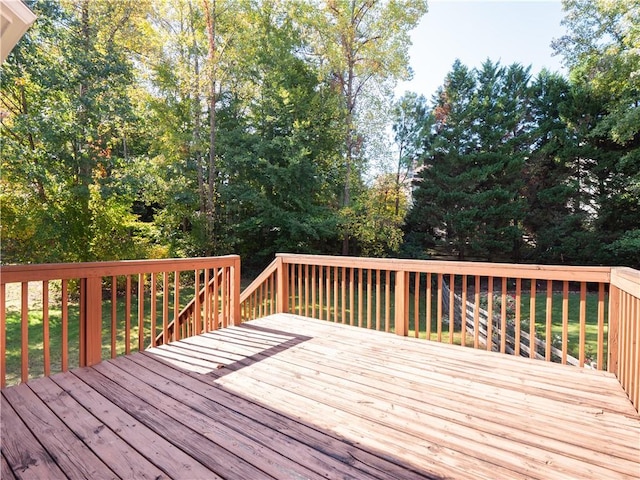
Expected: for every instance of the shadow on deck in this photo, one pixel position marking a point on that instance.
(291, 397)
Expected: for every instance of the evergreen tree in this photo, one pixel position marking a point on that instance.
(467, 197)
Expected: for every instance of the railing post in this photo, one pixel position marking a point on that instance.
(614, 317)
(91, 321)
(402, 303)
(236, 317)
(282, 301)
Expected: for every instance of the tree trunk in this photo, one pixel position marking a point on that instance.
(212, 100)
(195, 89)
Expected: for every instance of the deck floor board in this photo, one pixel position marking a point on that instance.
(290, 397)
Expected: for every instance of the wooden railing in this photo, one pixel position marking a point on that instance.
(87, 311)
(199, 315)
(587, 316)
(81, 313)
(624, 332)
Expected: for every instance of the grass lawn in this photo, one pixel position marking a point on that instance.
(36, 337)
(591, 324)
(36, 344)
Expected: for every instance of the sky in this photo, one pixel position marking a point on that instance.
(474, 30)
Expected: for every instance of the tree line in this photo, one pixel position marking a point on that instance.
(154, 128)
(543, 169)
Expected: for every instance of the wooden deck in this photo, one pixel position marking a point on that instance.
(289, 397)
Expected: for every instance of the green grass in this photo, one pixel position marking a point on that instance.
(36, 344)
(591, 324)
(36, 330)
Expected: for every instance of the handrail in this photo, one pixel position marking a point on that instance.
(187, 313)
(260, 296)
(510, 270)
(624, 334)
(145, 295)
(259, 280)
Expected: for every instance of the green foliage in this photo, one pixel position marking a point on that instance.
(467, 194)
(138, 128)
(67, 94)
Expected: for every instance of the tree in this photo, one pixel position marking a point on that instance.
(467, 198)
(601, 50)
(556, 218)
(280, 147)
(359, 42)
(191, 73)
(410, 125)
(66, 89)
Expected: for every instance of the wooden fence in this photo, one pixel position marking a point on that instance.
(87, 311)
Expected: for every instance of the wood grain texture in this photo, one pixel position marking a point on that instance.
(286, 396)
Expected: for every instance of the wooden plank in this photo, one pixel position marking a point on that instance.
(518, 315)
(124, 460)
(198, 446)
(352, 298)
(378, 300)
(452, 315)
(439, 416)
(320, 292)
(196, 416)
(5, 470)
(65, 326)
(565, 321)
(416, 306)
(369, 298)
(197, 305)
(155, 448)
(439, 309)
(300, 297)
(373, 395)
(463, 330)
(428, 314)
(401, 318)
(68, 450)
(387, 302)
(353, 420)
(114, 320)
(472, 357)
(46, 353)
(127, 316)
(92, 321)
(600, 354)
(503, 316)
(532, 319)
(176, 305)
(23, 452)
(154, 313)
(306, 292)
(489, 327)
(583, 322)
(476, 314)
(548, 324)
(336, 301)
(521, 392)
(215, 321)
(314, 447)
(360, 296)
(3, 336)
(314, 291)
